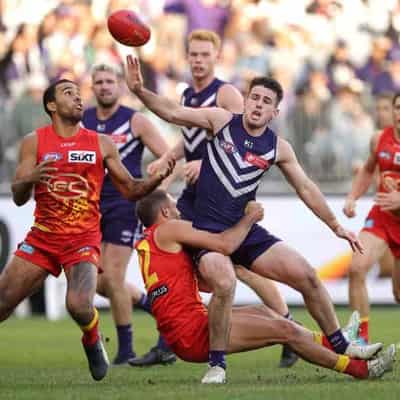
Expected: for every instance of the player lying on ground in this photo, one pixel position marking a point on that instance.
(181, 316)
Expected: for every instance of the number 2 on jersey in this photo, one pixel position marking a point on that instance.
(143, 250)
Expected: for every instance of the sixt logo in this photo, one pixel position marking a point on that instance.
(52, 157)
(82, 156)
(227, 147)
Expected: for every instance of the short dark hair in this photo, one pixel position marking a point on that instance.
(395, 97)
(50, 93)
(269, 83)
(147, 208)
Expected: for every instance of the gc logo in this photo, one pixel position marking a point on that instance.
(68, 186)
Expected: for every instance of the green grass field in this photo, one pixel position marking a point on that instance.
(44, 360)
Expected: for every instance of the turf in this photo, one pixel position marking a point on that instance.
(44, 360)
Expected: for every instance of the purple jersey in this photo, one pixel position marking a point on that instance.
(130, 148)
(231, 172)
(195, 139)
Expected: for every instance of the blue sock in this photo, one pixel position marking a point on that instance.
(162, 345)
(125, 336)
(338, 342)
(217, 357)
(144, 303)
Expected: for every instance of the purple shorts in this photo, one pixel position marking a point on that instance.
(257, 242)
(123, 232)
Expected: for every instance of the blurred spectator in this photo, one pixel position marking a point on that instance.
(389, 80)
(205, 14)
(383, 110)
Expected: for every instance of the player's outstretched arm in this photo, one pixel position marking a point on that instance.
(179, 232)
(362, 181)
(211, 119)
(130, 187)
(309, 192)
(28, 173)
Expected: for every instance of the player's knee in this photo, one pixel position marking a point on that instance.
(308, 279)
(288, 330)
(79, 305)
(357, 272)
(218, 272)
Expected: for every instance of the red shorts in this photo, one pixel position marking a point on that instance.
(56, 252)
(193, 342)
(386, 226)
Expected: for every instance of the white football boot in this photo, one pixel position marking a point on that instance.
(215, 375)
(383, 363)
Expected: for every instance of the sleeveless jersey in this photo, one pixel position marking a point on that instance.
(388, 156)
(69, 203)
(231, 172)
(170, 283)
(130, 148)
(195, 139)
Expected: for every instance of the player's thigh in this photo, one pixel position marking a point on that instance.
(114, 260)
(374, 248)
(260, 310)
(19, 279)
(216, 270)
(284, 264)
(250, 331)
(81, 281)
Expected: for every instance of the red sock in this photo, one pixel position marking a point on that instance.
(349, 366)
(321, 339)
(363, 329)
(91, 331)
(357, 368)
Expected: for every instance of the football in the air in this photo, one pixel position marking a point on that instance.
(127, 28)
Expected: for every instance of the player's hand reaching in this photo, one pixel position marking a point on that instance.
(254, 210)
(350, 237)
(167, 168)
(42, 172)
(388, 201)
(157, 165)
(349, 208)
(134, 78)
(191, 171)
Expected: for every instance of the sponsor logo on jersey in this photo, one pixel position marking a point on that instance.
(248, 143)
(52, 156)
(26, 248)
(384, 154)
(160, 291)
(396, 158)
(68, 186)
(119, 138)
(101, 128)
(228, 147)
(68, 144)
(256, 160)
(194, 101)
(82, 156)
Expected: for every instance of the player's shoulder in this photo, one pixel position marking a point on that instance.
(126, 111)
(229, 97)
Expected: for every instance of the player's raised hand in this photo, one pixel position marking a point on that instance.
(350, 237)
(134, 78)
(42, 172)
(156, 165)
(191, 171)
(349, 208)
(388, 201)
(255, 210)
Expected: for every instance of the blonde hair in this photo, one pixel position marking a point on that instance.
(206, 36)
(114, 69)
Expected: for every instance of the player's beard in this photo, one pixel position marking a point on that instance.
(107, 104)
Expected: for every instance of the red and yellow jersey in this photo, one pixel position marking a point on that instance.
(171, 285)
(68, 203)
(388, 156)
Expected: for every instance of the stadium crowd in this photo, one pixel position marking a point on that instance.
(333, 59)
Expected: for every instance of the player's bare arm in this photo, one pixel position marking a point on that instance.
(28, 173)
(173, 234)
(177, 152)
(149, 134)
(130, 187)
(230, 99)
(362, 181)
(208, 118)
(310, 194)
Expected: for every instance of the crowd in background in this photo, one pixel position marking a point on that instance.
(333, 59)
